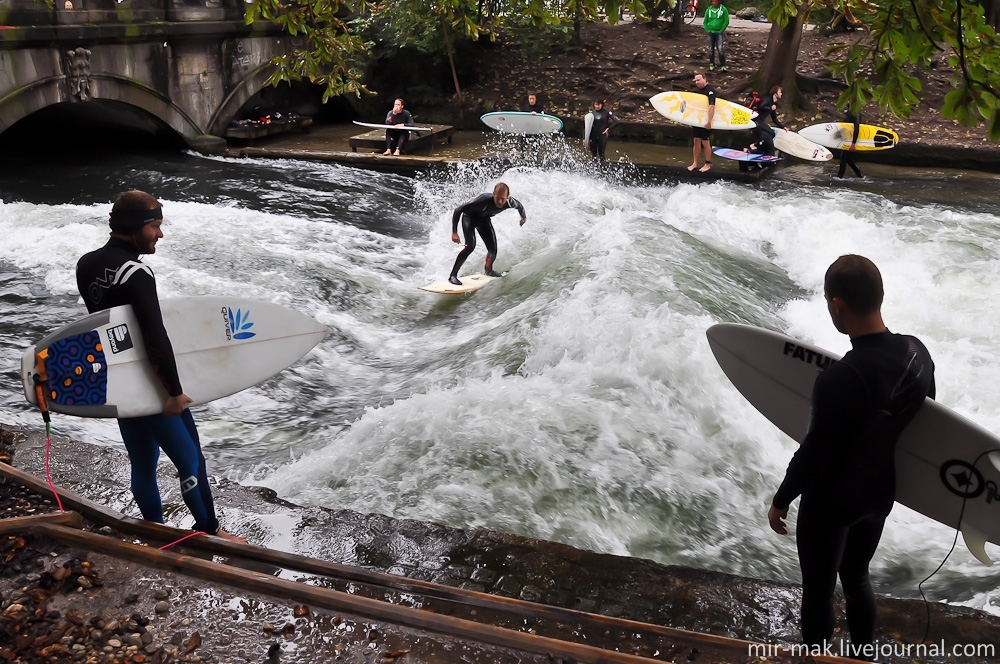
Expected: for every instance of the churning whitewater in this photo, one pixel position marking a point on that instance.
(574, 400)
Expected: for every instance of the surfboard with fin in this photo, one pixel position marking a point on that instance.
(947, 468)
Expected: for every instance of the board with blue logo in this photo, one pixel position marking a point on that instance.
(97, 366)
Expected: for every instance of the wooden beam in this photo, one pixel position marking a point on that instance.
(16, 524)
(335, 600)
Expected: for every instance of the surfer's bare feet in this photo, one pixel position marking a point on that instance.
(706, 168)
(387, 152)
(232, 538)
(693, 166)
(396, 153)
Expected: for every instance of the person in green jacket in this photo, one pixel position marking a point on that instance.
(715, 22)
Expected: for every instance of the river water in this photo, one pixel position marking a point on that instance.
(577, 399)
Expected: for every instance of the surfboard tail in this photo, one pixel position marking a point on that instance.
(975, 541)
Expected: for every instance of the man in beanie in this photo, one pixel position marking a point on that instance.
(113, 276)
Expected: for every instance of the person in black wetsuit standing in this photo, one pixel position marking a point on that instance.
(847, 156)
(603, 122)
(395, 139)
(475, 216)
(113, 276)
(845, 469)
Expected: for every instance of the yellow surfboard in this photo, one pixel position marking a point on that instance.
(838, 136)
(691, 108)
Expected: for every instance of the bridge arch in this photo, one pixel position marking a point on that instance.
(43, 93)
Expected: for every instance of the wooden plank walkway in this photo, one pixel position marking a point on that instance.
(375, 139)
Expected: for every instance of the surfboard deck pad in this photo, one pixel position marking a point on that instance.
(470, 284)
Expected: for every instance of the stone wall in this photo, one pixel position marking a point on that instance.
(189, 64)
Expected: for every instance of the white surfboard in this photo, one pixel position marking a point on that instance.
(470, 283)
(838, 136)
(518, 122)
(97, 366)
(943, 461)
(374, 125)
(799, 146)
(588, 126)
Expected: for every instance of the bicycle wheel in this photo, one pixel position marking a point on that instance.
(690, 12)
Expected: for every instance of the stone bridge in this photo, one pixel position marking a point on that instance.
(189, 65)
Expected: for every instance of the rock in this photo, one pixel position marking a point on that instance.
(162, 607)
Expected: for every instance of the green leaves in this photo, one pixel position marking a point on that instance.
(905, 37)
(329, 51)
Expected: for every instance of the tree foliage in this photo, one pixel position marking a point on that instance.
(898, 38)
(329, 30)
(327, 48)
(901, 37)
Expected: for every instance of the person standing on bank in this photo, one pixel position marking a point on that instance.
(845, 468)
(476, 216)
(602, 124)
(703, 135)
(715, 22)
(112, 276)
(847, 156)
(395, 139)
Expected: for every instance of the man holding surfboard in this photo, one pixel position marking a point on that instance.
(703, 135)
(845, 468)
(113, 276)
(475, 216)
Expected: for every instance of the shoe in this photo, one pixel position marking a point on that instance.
(711, 67)
(723, 68)
(492, 273)
(454, 280)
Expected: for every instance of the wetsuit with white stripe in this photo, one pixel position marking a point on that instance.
(475, 216)
(845, 472)
(113, 276)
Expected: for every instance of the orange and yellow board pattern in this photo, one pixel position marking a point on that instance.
(74, 370)
(691, 108)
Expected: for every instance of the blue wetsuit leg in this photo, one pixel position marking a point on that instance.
(143, 455)
(178, 438)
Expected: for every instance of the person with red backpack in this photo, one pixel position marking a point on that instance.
(768, 106)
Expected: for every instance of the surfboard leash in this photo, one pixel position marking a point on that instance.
(954, 543)
(43, 406)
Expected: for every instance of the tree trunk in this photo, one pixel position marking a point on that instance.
(780, 59)
(676, 21)
(451, 61)
(993, 13)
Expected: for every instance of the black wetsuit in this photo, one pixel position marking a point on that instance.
(763, 134)
(847, 156)
(845, 473)
(475, 216)
(112, 276)
(396, 138)
(603, 119)
(532, 108)
(701, 132)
